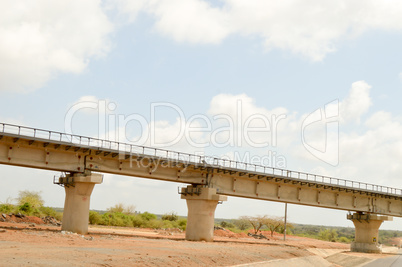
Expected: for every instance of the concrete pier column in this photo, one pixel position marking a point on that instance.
(366, 232)
(201, 204)
(78, 187)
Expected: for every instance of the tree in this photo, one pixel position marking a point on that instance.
(242, 223)
(328, 235)
(129, 209)
(33, 199)
(289, 228)
(256, 222)
(273, 224)
(121, 208)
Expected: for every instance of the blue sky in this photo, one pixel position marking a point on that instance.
(203, 57)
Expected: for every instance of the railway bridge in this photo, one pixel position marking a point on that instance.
(210, 180)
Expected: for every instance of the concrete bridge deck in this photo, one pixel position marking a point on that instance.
(210, 179)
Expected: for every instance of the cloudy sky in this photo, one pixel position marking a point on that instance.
(320, 83)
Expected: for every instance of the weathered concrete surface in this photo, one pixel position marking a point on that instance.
(77, 201)
(366, 232)
(295, 262)
(346, 260)
(201, 213)
(389, 261)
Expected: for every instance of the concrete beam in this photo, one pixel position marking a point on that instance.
(281, 187)
(41, 155)
(366, 232)
(201, 204)
(78, 187)
(305, 193)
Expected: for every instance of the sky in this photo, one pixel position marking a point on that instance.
(313, 87)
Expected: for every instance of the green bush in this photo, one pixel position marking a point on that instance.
(25, 208)
(144, 220)
(344, 239)
(33, 198)
(148, 216)
(118, 208)
(113, 219)
(170, 217)
(225, 224)
(36, 213)
(137, 221)
(95, 218)
(6, 208)
(121, 208)
(154, 224)
(328, 235)
(182, 224)
(47, 211)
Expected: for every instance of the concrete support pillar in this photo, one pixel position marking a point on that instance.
(201, 204)
(78, 187)
(366, 232)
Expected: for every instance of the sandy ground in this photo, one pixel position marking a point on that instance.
(24, 244)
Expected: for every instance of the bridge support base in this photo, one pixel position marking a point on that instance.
(201, 204)
(366, 232)
(78, 187)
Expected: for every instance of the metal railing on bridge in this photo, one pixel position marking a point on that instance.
(188, 158)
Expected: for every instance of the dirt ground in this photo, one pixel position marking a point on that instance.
(25, 243)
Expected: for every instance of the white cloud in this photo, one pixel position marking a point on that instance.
(192, 21)
(311, 29)
(356, 103)
(41, 38)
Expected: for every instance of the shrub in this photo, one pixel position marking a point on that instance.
(129, 210)
(47, 211)
(328, 235)
(155, 224)
(344, 239)
(137, 221)
(25, 208)
(33, 199)
(170, 217)
(121, 208)
(225, 224)
(182, 223)
(148, 216)
(95, 218)
(242, 223)
(6, 208)
(36, 213)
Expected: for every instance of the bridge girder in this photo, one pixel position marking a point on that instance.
(68, 157)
